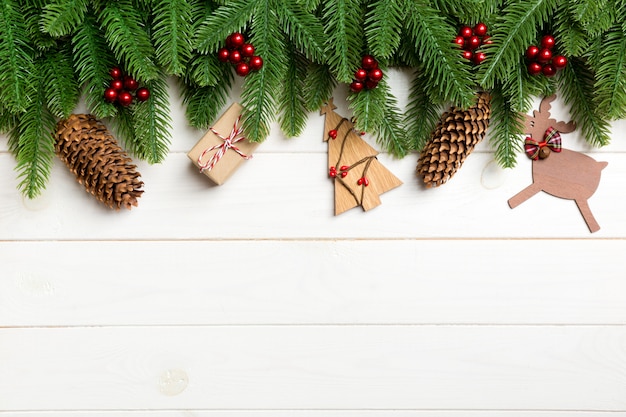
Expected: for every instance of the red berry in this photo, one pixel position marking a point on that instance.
(223, 54)
(545, 55)
(333, 134)
(547, 42)
(356, 86)
(236, 40)
(466, 32)
(375, 75)
(234, 56)
(368, 62)
(467, 54)
(548, 70)
(247, 50)
(559, 61)
(534, 68)
(531, 52)
(360, 74)
(460, 40)
(480, 29)
(142, 94)
(256, 63)
(371, 84)
(117, 84)
(473, 42)
(487, 40)
(124, 98)
(116, 73)
(242, 69)
(130, 83)
(110, 95)
(479, 57)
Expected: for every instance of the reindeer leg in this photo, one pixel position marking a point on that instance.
(524, 195)
(592, 224)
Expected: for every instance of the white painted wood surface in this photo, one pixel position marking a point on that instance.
(253, 300)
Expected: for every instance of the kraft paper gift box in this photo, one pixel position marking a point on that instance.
(223, 148)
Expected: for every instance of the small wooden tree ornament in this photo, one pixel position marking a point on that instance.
(559, 172)
(358, 175)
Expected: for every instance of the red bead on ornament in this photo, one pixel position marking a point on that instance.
(333, 134)
(110, 95)
(125, 98)
(256, 63)
(142, 94)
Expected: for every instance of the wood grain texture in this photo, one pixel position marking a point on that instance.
(309, 282)
(319, 367)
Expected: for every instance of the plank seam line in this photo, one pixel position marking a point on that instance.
(343, 410)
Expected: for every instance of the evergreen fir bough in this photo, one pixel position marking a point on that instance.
(53, 52)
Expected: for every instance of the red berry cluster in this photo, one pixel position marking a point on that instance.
(542, 60)
(121, 88)
(240, 54)
(470, 39)
(368, 76)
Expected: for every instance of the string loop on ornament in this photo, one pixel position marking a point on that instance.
(229, 142)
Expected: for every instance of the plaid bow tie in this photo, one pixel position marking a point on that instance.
(551, 140)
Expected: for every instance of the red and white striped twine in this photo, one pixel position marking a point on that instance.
(234, 137)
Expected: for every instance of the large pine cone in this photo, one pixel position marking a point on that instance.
(453, 139)
(99, 163)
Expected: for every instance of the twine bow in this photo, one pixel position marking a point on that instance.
(551, 140)
(234, 137)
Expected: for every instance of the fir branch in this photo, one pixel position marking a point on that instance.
(342, 24)
(16, 65)
(61, 18)
(261, 88)
(391, 134)
(368, 108)
(521, 87)
(291, 104)
(32, 10)
(8, 122)
(319, 86)
(59, 82)
(303, 28)
(596, 16)
(449, 77)
(92, 61)
(125, 35)
(610, 74)
(172, 34)
(576, 84)
(471, 11)
(513, 33)
(382, 27)
(124, 127)
(152, 123)
(203, 104)
(35, 145)
(234, 16)
(205, 70)
(573, 41)
(309, 5)
(422, 113)
(507, 127)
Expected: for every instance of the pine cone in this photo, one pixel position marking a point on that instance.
(454, 138)
(99, 163)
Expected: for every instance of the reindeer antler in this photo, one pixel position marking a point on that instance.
(540, 121)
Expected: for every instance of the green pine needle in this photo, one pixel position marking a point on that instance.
(232, 17)
(61, 87)
(343, 22)
(471, 11)
(506, 128)
(368, 108)
(127, 38)
(309, 5)
(16, 65)
(303, 28)
(92, 62)
(318, 87)
(422, 113)
(152, 122)
(291, 103)
(172, 34)
(61, 18)
(203, 104)
(512, 34)
(573, 40)
(382, 27)
(391, 134)
(596, 16)
(206, 70)
(576, 84)
(610, 74)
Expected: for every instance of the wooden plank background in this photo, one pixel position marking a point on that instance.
(253, 300)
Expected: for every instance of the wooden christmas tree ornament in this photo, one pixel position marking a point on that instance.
(559, 172)
(358, 175)
(85, 145)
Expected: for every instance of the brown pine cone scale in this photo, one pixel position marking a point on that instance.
(89, 150)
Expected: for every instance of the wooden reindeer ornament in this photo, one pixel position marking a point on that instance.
(560, 172)
(358, 175)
